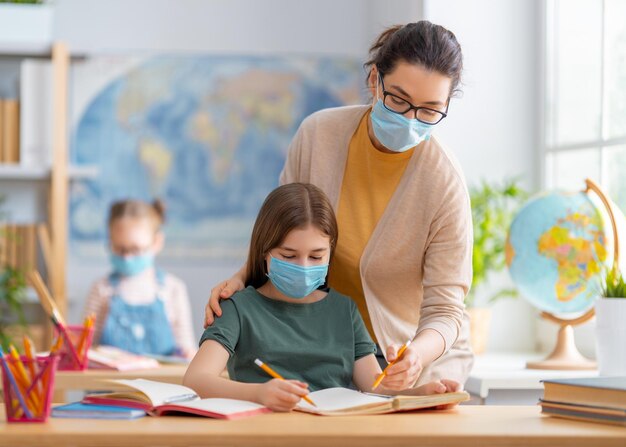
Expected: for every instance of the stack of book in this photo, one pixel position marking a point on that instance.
(596, 399)
(18, 246)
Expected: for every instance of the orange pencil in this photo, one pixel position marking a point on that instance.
(275, 375)
(83, 338)
(384, 373)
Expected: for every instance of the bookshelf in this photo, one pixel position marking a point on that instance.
(51, 180)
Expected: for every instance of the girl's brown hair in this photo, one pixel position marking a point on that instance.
(422, 43)
(288, 207)
(138, 209)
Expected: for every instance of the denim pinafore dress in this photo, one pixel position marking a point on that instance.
(140, 328)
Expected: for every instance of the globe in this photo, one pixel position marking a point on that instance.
(558, 247)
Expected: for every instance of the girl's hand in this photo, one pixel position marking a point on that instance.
(222, 291)
(439, 387)
(406, 371)
(282, 395)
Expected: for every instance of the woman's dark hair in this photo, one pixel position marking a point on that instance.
(154, 211)
(288, 207)
(422, 43)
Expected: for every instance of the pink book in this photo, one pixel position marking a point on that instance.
(158, 398)
(109, 357)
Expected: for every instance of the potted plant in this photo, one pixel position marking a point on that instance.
(12, 294)
(611, 325)
(493, 208)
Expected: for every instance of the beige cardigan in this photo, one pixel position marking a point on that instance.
(417, 266)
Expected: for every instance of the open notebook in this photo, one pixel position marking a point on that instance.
(158, 398)
(345, 402)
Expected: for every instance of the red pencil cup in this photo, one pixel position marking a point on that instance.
(27, 398)
(73, 351)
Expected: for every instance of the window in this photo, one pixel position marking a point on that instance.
(585, 101)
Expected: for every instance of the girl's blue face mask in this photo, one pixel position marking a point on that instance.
(395, 131)
(296, 281)
(131, 265)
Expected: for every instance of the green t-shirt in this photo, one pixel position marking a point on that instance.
(316, 343)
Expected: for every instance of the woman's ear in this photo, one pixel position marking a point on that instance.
(372, 81)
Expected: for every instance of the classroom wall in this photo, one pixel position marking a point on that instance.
(492, 127)
(499, 47)
(267, 27)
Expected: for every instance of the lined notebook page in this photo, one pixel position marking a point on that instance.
(332, 399)
(158, 392)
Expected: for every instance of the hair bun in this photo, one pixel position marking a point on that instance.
(159, 207)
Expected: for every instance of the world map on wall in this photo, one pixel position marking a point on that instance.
(207, 134)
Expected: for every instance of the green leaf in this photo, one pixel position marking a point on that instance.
(493, 207)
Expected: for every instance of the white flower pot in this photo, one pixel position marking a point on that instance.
(24, 24)
(611, 336)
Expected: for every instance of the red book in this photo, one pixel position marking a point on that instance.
(158, 398)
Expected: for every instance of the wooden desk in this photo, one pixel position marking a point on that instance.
(91, 379)
(464, 426)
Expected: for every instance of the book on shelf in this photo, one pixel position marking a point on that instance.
(18, 246)
(597, 399)
(36, 114)
(1, 130)
(158, 398)
(10, 123)
(346, 402)
(78, 410)
(110, 357)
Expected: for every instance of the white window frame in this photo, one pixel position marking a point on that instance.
(548, 78)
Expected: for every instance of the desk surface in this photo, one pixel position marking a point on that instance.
(464, 426)
(92, 378)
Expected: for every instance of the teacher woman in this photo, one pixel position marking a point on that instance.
(405, 231)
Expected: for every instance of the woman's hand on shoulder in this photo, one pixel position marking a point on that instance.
(406, 371)
(222, 291)
(440, 387)
(282, 395)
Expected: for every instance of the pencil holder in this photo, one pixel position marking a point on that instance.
(76, 341)
(27, 387)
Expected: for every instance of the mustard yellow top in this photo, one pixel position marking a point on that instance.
(416, 267)
(370, 179)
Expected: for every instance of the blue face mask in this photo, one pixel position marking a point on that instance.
(396, 132)
(131, 265)
(294, 280)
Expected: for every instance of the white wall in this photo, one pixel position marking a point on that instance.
(492, 127)
(500, 59)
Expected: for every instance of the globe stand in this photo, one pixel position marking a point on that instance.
(565, 355)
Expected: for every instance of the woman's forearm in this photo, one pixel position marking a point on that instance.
(429, 344)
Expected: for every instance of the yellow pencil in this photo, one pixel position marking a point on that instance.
(21, 377)
(384, 373)
(275, 375)
(32, 364)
